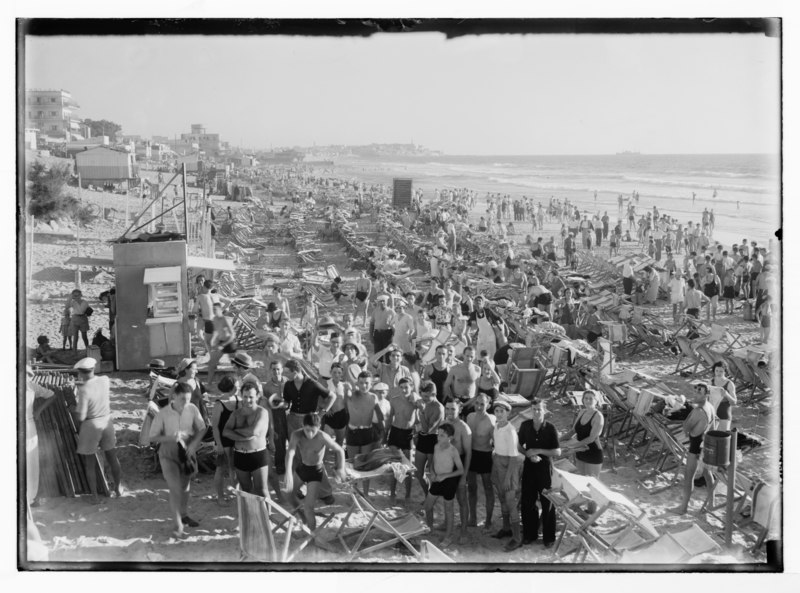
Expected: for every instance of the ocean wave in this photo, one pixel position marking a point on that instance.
(693, 185)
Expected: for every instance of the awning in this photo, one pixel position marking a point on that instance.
(210, 263)
(168, 274)
(89, 261)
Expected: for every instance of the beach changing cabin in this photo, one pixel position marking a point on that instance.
(103, 164)
(152, 280)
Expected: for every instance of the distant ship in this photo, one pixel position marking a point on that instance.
(629, 152)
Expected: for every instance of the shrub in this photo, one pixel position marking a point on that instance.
(46, 198)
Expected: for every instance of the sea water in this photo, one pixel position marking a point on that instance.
(743, 190)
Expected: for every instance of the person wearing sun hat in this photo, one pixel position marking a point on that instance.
(242, 366)
(97, 428)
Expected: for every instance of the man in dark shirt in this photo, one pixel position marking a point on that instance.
(302, 395)
(538, 441)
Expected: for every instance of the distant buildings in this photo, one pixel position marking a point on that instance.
(53, 113)
(206, 142)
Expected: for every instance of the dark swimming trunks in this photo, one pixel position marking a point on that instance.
(400, 438)
(481, 462)
(208, 327)
(361, 295)
(426, 443)
(337, 420)
(696, 444)
(250, 461)
(446, 488)
(310, 473)
(359, 437)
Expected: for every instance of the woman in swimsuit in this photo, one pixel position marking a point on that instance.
(711, 288)
(725, 406)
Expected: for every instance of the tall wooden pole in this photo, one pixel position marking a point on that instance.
(185, 205)
(78, 235)
(730, 493)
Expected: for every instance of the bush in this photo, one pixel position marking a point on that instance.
(46, 198)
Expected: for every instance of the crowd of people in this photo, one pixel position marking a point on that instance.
(272, 423)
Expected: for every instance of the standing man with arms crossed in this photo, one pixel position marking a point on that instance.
(538, 442)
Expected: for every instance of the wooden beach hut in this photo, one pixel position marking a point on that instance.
(103, 164)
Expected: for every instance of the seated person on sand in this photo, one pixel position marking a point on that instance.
(249, 428)
(700, 420)
(430, 414)
(402, 417)
(445, 475)
(310, 443)
(481, 424)
(362, 409)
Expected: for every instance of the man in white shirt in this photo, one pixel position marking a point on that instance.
(327, 356)
(506, 474)
(290, 344)
(627, 277)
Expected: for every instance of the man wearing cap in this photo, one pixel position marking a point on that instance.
(462, 381)
(506, 470)
(78, 319)
(381, 325)
(538, 442)
(97, 429)
(381, 391)
(242, 365)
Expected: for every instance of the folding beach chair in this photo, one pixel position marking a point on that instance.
(687, 354)
(432, 554)
(525, 382)
(672, 548)
(398, 530)
(262, 523)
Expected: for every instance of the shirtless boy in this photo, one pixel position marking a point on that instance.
(402, 417)
(462, 441)
(430, 414)
(310, 442)
(336, 418)
(446, 472)
(361, 407)
(482, 426)
(462, 381)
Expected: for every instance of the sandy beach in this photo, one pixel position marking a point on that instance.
(135, 528)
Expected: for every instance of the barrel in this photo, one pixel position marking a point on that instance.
(717, 448)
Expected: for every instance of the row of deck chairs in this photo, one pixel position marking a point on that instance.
(702, 345)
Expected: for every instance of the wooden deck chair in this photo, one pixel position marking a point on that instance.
(432, 554)
(687, 354)
(525, 382)
(673, 459)
(672, 548)
(399, 530)
(262, 524)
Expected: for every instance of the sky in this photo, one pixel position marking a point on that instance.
(496, 94)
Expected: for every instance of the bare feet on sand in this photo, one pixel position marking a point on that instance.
(678, 510)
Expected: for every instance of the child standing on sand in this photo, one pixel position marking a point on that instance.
(446, 471)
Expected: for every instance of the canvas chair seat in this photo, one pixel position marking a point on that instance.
(672, 548)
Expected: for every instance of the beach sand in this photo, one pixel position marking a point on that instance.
(136, 528)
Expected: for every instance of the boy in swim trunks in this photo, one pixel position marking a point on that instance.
(446, 472)
(430, 415)
(310, 442)
(402, 417)
(462, 441)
